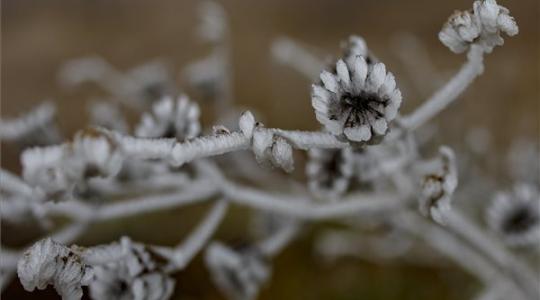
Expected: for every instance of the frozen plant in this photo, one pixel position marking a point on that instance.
(366, 170)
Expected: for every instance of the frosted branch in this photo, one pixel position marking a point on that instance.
(449, 92)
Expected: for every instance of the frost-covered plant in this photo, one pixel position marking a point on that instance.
(366, 162)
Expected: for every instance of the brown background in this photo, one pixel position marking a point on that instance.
(38, 36)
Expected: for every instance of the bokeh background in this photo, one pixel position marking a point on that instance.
(39, 36)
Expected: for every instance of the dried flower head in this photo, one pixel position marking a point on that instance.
(239, 274)
(439, 181)
(481, 26)
(515, 216)
(135, 276)
(357, 101)
(329, 172)
(48, 262)
(170, 118)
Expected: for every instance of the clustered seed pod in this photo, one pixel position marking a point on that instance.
(358, 100)
(481, 26)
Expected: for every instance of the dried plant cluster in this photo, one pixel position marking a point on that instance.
(365, 167)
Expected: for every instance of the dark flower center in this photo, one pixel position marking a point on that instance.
(520, 220)
(333, 169)
(362, 103)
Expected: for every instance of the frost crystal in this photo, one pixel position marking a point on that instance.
(438, 185)
(482, 26)
(170, 118)
(516, 216)
(357, 101)
(239, 274)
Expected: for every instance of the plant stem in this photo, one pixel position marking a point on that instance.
(522, 275)
(449, 92)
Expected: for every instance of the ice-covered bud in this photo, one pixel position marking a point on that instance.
(247, 123)
(271, 149)
(238, 274)
(171, 119)
(358, 101)
(94, 154)
(438, 182)
(50, 263)
(354, 46)
(482, 26)
(515, 216)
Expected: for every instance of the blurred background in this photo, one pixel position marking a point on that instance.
(39, 36)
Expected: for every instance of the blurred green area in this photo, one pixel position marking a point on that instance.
(38, 36)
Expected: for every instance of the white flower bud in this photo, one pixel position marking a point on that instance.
(272, 150)
(282, 155)
(482, 26)
(247, 123)
(439, 181)
(94, 154)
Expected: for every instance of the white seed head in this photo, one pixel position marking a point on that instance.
(439, 182)
(515, 216)
(247, 123)
(358, 101)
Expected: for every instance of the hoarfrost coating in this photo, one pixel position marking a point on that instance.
(366, 169)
